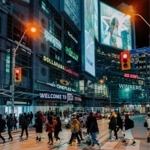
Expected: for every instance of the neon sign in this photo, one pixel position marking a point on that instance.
(132, 76)
(58, 65)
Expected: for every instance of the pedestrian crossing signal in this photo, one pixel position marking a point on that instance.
(125, 60)
(18, 74)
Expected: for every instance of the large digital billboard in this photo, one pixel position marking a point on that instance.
(90, 34)
(115, 28)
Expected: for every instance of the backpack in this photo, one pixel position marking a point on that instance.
(131, 123)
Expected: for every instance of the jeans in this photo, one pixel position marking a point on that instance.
(94, 136)
(73, 136)
(2, 136)
(9, 133)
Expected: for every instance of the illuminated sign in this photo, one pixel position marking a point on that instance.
(58, 86)
(72, 37)
(79, 99)
(115, 28)
(45, 8)
(133, 76)
(53, 40)
(53, 96)
(71, 53)
(58, 65)
(133, 87)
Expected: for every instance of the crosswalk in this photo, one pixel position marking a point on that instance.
(118, 145)
(31, 143)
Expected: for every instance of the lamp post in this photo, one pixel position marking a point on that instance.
(14, 51)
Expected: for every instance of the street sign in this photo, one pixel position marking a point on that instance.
(140, 50)
(134, 58)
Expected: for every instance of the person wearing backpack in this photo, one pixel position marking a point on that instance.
(75, 128)
(24, 125)
(2, 127)
(129, 124)
(10, 125)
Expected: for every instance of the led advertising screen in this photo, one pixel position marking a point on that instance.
(90, 33)
(115, 28)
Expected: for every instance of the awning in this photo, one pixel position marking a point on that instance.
(18, 94)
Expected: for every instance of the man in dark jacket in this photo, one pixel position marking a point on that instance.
(88, 122)
(10, 124)
(24, 124)
(2, 127)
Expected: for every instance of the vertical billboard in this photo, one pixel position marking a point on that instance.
(90, 34)
(115, 28)
(71, 8)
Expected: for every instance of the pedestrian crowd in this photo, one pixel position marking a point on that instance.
(51, 123)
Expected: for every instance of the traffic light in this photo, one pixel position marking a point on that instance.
(125, 60)
(18, 74)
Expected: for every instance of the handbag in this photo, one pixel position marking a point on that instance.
(145, 124)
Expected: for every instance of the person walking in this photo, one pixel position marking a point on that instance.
(119, 123)
(15, 122)
(50, 127)
(58, 128)
(75, 127)
(113, 125)
(2, 127)
(24, 125)
(148, 126)
(129, 124)
(38, 126)
(88, 122)
(10, 125)
(94, 131)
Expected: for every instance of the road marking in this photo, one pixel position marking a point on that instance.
(136, 146)
(109, 145)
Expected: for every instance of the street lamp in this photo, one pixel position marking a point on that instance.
(14, 50)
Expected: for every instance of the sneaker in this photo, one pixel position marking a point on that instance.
(133, 143)
(37, 138)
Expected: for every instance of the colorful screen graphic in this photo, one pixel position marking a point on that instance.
(115, 28)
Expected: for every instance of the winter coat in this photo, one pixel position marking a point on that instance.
(94, 126)
(113, 123)
(88, 123)
(58, 126)
(119, 122)
(24, 121)
(75, 126)
(2, 125)
(38, 124)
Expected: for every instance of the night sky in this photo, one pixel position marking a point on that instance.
(141, 7)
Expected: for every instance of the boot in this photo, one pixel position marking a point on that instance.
(148, 139)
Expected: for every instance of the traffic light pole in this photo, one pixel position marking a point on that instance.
(14, 50)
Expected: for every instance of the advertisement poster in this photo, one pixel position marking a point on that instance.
(115, 28)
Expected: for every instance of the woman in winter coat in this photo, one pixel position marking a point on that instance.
(38, 126)
(57, 128)
(113, 125)
(75, 127)
(50, 128)
(119, 122)
(128, 123)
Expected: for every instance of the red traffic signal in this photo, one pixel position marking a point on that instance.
(125, 60)
(18, 74)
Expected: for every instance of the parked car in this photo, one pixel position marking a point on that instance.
(82, 119)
